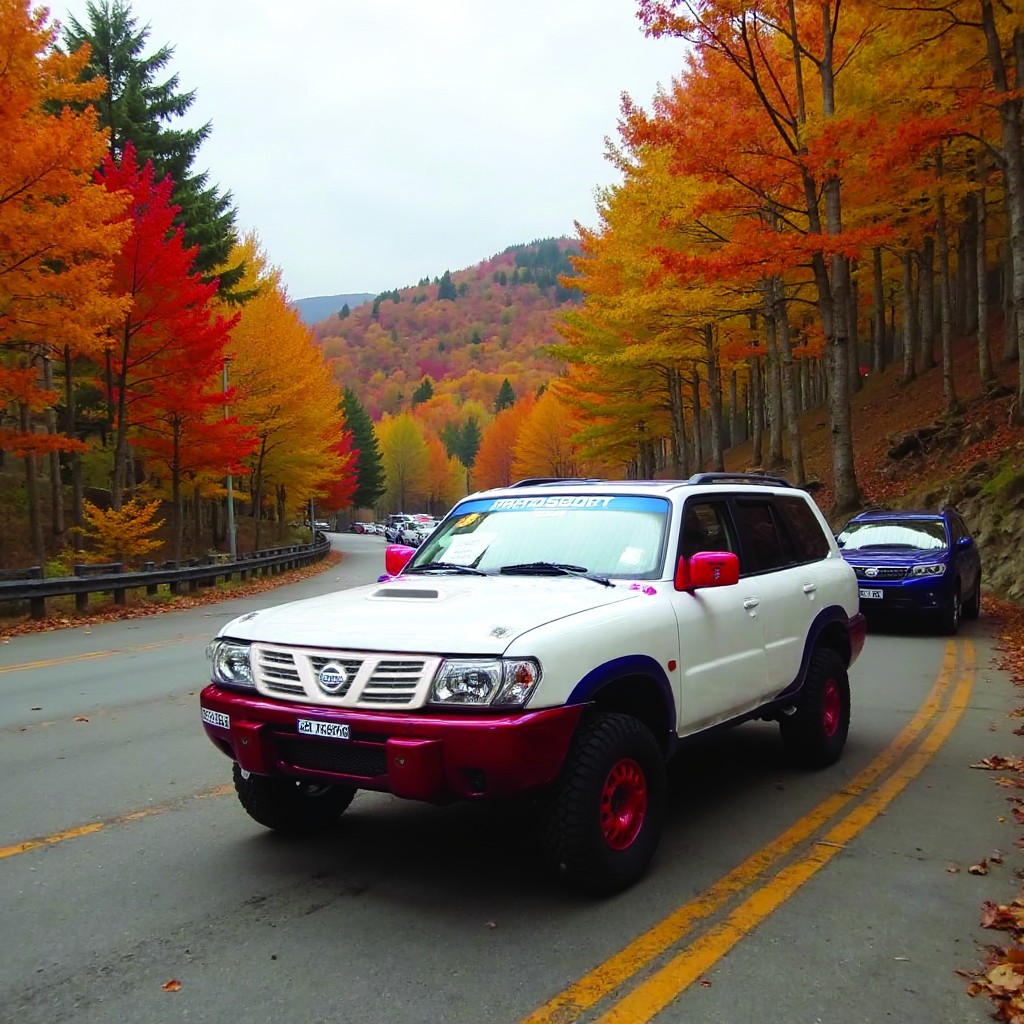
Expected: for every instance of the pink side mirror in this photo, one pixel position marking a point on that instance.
(396, 558)
(707, 569)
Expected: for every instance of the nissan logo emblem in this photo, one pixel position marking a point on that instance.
(332, 677)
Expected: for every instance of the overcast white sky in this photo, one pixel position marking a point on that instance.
(370, 144)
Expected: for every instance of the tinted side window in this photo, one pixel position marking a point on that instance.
(809, 541)
(705, 528)
(764, 547)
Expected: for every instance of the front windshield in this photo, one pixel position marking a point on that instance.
(607, 535)
(919, 534)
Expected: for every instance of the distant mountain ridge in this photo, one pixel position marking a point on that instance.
(320, 307)
(466, 331)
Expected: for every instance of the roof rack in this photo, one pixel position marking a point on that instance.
(535, 481)
(739, 478)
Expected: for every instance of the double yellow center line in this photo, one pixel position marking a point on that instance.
(892, 771)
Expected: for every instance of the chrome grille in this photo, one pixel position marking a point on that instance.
(278, 670)
(881, 572)
(374, 680)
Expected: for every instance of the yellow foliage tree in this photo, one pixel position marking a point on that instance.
(120, 535)
(283, 389)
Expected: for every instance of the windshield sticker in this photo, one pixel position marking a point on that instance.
(466, 521)
(564, 502)
(466, 548)
(631, 557)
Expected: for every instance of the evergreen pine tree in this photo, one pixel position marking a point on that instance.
(446, 287)
(506, 397)
(471, 438)
(424, 391)
(137, 108)
(370, 475)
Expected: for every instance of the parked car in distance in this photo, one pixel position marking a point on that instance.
(914, 561)
(416, 531)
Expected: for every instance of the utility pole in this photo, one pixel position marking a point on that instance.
(232, 548)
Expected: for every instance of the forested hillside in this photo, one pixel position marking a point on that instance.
(463, 332)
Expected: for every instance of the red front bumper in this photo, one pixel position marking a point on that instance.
(433, 757)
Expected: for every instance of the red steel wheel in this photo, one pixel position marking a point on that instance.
(623, 804)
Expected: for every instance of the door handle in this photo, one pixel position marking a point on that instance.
(750, 602)
(810, 588)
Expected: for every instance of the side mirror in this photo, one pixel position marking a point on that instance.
(964, 543)
(396, 558)
(707, 569)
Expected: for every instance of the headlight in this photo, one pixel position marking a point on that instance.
(494, 681)
(230, 661)
(932, 569)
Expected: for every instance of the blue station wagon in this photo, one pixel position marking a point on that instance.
(923, 562)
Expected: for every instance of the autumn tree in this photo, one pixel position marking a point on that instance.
(287, 398)
(496, 455)
(58, 235)
(544, 446)
(405, 456)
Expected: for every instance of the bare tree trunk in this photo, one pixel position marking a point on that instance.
(698, 440)
(677, 420)
(853, 319)
(986, 371)
(1010, 108)
(773, 386)
(926, 297)
(878, 359)
(35, 519)
(909, 319)
(735, 434)
(77, 489)
(945, 301)
(789, 403)
(756, 411)
(965, 298)
(56, 487)
(714, 400)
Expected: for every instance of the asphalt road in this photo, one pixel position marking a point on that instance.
(134, 889)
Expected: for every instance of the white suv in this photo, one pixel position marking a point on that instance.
(558, 638)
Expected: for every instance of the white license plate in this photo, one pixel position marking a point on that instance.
(216, 718)
(871, 595)
(332, 730)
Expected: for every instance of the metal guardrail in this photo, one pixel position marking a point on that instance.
(109, 578)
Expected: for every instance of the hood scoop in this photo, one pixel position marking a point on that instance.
(407, 592)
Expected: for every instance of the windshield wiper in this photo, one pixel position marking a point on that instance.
(553, 569)
(465, 570)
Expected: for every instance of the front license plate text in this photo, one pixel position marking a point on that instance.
(216, 718)
(332, 730)
(872, 595)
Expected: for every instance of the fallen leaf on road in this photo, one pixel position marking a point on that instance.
(981, 868)
(999, 763)
(1006, 978)
(81, 718)
(171, 986)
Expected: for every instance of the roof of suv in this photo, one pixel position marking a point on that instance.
(577, 484)
(871, 514)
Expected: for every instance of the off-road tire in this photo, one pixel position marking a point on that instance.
(604, 814)
(290, 805)
(972, 606)
(815, 733)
